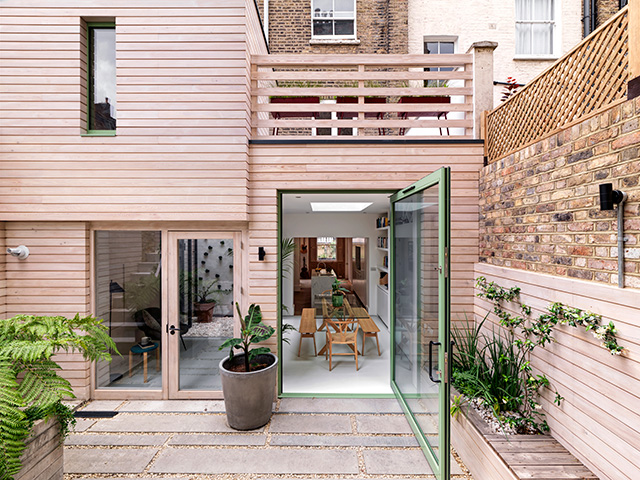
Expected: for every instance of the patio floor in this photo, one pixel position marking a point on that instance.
(305, 439)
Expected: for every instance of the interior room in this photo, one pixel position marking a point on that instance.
(336, 241)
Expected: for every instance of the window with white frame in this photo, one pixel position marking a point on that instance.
(327, 248)
(438, 46)
(333, 18)
(535, 27)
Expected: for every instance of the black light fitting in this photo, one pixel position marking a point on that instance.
(261, 253)
(609, 196)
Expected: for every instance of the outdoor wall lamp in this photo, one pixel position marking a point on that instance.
(261, 253)
(609, 197)
(20, 251)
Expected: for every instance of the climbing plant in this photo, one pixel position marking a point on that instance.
(30, 386)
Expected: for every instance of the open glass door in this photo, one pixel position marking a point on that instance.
(419, 286)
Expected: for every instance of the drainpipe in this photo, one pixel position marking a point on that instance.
(621, 241)
(589, 18)
(609, 197)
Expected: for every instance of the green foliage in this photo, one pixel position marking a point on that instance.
(30, 387)
(253, 331)
(337, 288)
(287, 247)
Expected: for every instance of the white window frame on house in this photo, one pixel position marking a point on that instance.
(333, 17)
(440, 39)
(552, 22)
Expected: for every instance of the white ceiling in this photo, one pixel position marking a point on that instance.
(300, 202)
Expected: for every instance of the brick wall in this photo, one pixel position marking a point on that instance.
(381, 27)
(605, 9)
(540, 207)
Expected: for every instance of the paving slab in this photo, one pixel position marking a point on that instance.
(383, 424)
(169, 406)
(400, 462)
(107, 460)
(343, 441)
(159, 423)
(339, 405)
(310, 424)
(102, 406)
(244, 460)
(218, 439)
(116, 440)
(83, 424)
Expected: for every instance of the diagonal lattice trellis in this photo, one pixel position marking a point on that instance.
(589, 77)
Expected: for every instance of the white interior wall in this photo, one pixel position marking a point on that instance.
(334, 225)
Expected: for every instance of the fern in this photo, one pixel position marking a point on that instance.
(30, 387)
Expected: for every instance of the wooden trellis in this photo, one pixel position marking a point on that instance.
(590, 76)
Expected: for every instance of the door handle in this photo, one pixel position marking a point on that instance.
(172, 330)
(431, 344)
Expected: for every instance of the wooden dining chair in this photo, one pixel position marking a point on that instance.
(346, 333)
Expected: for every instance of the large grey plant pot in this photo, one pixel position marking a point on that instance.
(248, 397)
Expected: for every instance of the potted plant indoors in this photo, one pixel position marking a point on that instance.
(337, 293)
(30, 387)
(248, 379)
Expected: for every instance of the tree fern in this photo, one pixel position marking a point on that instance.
(30, 386)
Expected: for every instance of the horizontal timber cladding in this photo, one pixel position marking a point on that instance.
(182, 92)
(53, 280)
(598, 420)
(361, 167)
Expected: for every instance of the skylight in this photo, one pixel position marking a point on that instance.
(339, 206)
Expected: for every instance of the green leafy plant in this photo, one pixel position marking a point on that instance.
(337, 293)
(30, 387)
(252, 331)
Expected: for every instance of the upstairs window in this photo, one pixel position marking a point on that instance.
(435, 46)
(535, 28)
(334, 18)
(102, 77)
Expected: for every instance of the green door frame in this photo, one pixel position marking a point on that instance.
(281, 394)
(441, 177)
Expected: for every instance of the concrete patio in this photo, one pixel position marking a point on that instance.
(305, 439)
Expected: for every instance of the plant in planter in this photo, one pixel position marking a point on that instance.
(30, 387)
(205, 300)
(248, 379)
(337, 293)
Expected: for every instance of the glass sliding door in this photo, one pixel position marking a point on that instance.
(202, 295)
(419, 287)
(128, 298)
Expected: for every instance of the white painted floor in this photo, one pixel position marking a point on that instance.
(309, 374)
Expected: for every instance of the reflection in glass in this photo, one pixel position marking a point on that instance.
(128, 288)
(206, 309)
(102, 78)
(416, 307)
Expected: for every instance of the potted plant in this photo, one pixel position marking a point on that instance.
(248, 379)
(337, 293)
(30, 387)
(205, 301)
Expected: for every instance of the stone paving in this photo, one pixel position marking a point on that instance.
(350, 439)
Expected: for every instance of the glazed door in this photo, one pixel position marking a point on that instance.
(203, 286)
(420, 313)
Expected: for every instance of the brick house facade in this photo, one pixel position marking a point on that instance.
(381, 27)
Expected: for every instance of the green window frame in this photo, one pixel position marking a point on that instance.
(91, 106)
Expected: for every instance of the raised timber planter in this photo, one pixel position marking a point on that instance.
(498, 457)
(42, 460)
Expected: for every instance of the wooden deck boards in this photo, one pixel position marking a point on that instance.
(533, 457)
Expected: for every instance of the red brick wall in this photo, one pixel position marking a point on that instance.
(540, 208)
(381, 27)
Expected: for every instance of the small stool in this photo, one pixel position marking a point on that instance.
(144, 351)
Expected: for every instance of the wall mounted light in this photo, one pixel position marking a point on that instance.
(609, 197)
(261, 253)
(20, 251)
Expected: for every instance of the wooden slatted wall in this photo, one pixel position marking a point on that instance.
(598, 421)
(183, 112)
(3, 279)
(363, 167)
(53, 280)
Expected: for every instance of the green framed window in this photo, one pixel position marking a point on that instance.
(102, 101)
